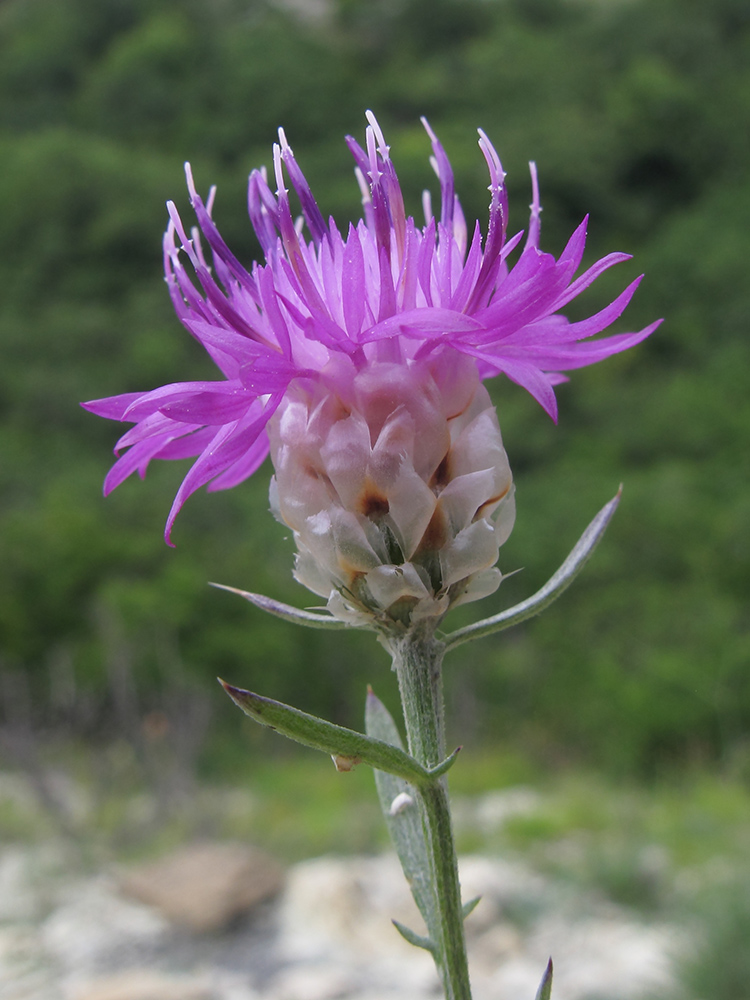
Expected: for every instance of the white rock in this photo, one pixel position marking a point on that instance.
(22, 964)
(607, 954)
(141, 985)
(311, 982)
(94, 925)
(18, 896)
(329, 937)
(339, 911)
(27, 875)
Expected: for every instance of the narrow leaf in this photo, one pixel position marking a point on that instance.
(445, 765)
(403, 818)
(379, 722)
(552, 589)
(412, 937)
(545, 987)
(286, 611)
(471, 906)
(340, 743)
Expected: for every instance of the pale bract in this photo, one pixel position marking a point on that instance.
(396, 484)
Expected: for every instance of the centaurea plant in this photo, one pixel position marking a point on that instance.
(358, 361)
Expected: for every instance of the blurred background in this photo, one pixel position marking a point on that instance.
(636, 111)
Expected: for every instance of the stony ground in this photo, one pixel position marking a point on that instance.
(319, 931)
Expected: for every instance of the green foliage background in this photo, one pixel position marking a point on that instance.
(635, 111)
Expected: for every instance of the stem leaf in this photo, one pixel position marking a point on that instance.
(445, 765)
(471, 906)
(413, 938)
(404, 824)
(545, 987)
(342, 744)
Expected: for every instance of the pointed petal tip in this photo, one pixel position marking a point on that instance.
(550, 407)
(428, 129)
(190, 182)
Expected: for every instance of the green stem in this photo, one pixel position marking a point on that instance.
(417, 659)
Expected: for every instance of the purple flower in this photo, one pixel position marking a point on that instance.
(322, 311)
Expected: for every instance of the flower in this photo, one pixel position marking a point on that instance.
(358, 359)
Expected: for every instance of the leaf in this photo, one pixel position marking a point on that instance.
(341, 743)
(412, 937)
(444, 766)
(404, 824)
(545, 987)
(552, 589)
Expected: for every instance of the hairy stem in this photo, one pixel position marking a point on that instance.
(417, 659)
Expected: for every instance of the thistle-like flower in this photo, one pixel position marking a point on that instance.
(359, 361)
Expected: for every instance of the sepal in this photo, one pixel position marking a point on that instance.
(286, 611)
(552, 589)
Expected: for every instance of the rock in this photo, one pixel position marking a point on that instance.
(334, 929)
(18, 900)
(93, 927)
(26, 874)
(206, 886)
(139, 985)
(22, 972)
(310, 982)
(329, 936)
(607, 954)
(335, 918)
(344, 906)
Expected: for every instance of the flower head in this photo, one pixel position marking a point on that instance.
(358, 358)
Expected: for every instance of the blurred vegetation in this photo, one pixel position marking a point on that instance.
(635, 111)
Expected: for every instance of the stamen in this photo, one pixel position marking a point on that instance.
(497, 174)
(281, 191)
(383, 149)
(373, 157)
(190, 183)
(536, 209)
